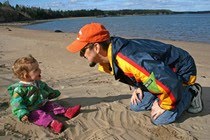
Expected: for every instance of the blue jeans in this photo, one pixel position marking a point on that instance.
(168, 116)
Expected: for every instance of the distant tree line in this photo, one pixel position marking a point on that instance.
(10, 13)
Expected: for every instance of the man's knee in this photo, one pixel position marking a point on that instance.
(135, 107)
(166, 118)
(145, 103)
(139, 107)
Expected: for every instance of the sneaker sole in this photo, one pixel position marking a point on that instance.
(193, 111)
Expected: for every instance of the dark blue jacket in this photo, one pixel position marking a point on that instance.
(153, 66)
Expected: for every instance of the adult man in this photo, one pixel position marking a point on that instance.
(157, 71)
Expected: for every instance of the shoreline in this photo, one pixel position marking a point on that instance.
(24, 23)
(19, 24)
(105, 112)
(176, 36)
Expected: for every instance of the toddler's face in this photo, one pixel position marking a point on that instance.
(35, 73)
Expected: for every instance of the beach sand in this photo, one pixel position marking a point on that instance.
(105, 113)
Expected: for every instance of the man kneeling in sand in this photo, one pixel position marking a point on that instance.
(163, 76)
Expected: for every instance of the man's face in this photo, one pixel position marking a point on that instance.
(91, 53)
(94, 54)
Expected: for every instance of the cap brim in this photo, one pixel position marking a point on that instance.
(76, 46)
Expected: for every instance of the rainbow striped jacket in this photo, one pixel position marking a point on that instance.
(159, 68)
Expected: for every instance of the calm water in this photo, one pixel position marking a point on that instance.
(184, 27)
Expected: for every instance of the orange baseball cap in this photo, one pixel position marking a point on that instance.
(90, 33)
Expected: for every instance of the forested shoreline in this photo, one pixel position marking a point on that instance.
(17, 13)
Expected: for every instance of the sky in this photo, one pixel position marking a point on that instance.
(174, 5)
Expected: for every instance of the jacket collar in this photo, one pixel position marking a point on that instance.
(117, 44)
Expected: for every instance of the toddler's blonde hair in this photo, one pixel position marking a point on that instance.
(21, 66)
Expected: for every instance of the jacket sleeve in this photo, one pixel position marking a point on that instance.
(51, 92)
(19, 109)
(158, 78)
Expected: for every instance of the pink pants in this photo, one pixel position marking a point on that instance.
(40, 116)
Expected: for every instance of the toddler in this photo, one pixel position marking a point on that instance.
(30, 97)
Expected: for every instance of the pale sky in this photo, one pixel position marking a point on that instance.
(174, 5)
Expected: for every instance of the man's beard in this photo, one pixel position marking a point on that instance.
(92, 64)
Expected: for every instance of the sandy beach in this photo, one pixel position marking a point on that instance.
(105, 112)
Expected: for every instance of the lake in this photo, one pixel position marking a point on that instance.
(182, 27)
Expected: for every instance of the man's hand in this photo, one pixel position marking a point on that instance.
(135, 97)
(156, 110)
(24, 119)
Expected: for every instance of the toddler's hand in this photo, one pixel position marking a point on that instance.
(24, 119)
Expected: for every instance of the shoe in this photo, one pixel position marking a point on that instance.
(56, 126)
(72, 111)
(196, 105)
